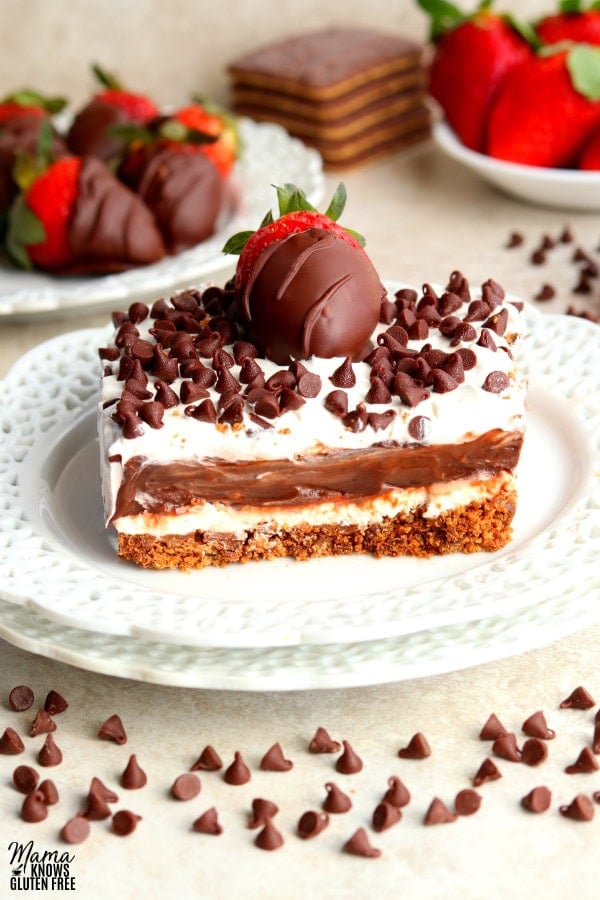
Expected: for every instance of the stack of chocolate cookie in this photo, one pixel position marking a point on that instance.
(352, 93)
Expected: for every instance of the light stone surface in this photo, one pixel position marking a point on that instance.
(422, 216)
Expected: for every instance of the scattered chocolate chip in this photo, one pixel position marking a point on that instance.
(438, 813)
(96, 808)
(505, 746)
(566, 235)
(25, 779)
(515, 239)
(359, 845)
(186, 787)
(50, 792)
(344, 376)
(336, 800)
(208, 761)
(76, 830)
(546, 292)
(11, 743)
(49, 754)
(533, 752)
(487, 771)
(537, 800)
(208, 822)
(417, 748)
(467, 802)
(133, 776)
(274, 760)
(419, 428)
(596, 738)
(124, 822)
(268, 838)
(538, 257)
(34, 808)
(349, 763)
(596, 796)
(496, 382)
(536, 727)
(20, 698)
(583, 286)
(579, 698)
(102, 791)
(397, 793)
(586, 762)
(309, 385)
(238, 772)
(261, 811)
(492, 729)
(112, 730)
(42, 724)
(580, 809)
(312, 823)
(385, 815)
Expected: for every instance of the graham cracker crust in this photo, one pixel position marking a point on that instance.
(480, 526)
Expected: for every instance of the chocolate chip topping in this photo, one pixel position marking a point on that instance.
(274, 760)
(322, 742)
(133, 776)
(535, 726)
(534, 752)
(359, 845)
(42, 724)
(438, 813)
(336, 800)
(505, 746)
(261, 811)
(349, 763)
(467, 802)
(20, 698)
(208, 822)
(25, 779)
(268, 838)
(99, 788)
(11, 743)
(537, 800)
(96, 808)
(492, 729)
(586, 762)
(417, 748)
(50, 792)
(34, 808)
(49, 754)
(580, 698)
(580, 809)
(385, 815)
(209, 760)
(487, 771)
(124, 822)
(76, 830)
(186, 787)
(112, 730)
(238, 772)
(397, 793)
(496, 382)
(311, 823)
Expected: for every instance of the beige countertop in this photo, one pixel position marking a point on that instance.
(423, 216)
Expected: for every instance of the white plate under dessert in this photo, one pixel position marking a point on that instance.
(559, 188)
(270, 156)
(58, 559)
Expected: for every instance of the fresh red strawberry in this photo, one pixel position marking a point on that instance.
(546, 108)
(202, 119)
(295, 215)
(27, 102)
(590, 155)
(472, 54)
(571, 23)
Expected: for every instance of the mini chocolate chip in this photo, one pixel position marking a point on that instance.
(467, 802)
(312, 823)
(289, 400)
(407, 294)
(566, 235)
(190, 391)
(419, 428)
(226, 381)
(378, 392)
(419, 330)
(249, 370)
(417, 748)
(186, 787)
(336, 800)
(387, 312)
(208, 822)
(337, 403)
(165, 395)
(580, 698)
(34, 807)
(442, 382)
(496, 382)
(477, 311)
(204, 412)
(486, 340)
(492, 729)
(515, 239)
(274, 760)
(132, 426)
(112, 730)
(405, 319)
(580, 809)
(238, 772)
(497, 322)
(99, 788)
(309, 385)
(448, 325)
(267, 406)
(546, 292)
(137, 312)
(349, 763)
(165, 368)
(55, 703)
(152, 413)
(322, 742)
(96, 808)
(505, 746)
(133, 776)
(448, 303)
(49, 754)
(261, 811)
(76, 830)
(268, 838)
(42, 724)
(536, 726)
(537, 800)
(203, 376)
(380, 421)
(50, 792)
(280, 379)
(463, 332)
(208, 761)
(538, 257)
(533, 752)
(359, 845)
(385, 815)
(109, 353)
(487, 771)
(583, 286)
(25, 779)
(20, 698)
(585, 763)
(397, 793)
(124, 822)
(356, 419)
(438, 813)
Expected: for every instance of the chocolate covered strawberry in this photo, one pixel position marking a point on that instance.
(589, 158)
(573, 22)
(74, 216)
(93, 129)
(472, 54)
(305, 285)
(28, 103)
(546, 108)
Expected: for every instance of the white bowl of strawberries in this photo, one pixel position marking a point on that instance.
(520, 103)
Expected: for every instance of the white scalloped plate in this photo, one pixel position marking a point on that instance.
(57, 557)
(270, 156)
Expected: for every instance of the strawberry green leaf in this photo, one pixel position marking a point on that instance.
(24, 228)
(174, 130)
(27, 97)
(570, 6)
(444, 16)
(338, 202)
(236, 243)
(106, 79)
(291, 199)
(131, 132)
(45, 143)
(267, 219)
(525, 29)
(583, 63)
(357, 237)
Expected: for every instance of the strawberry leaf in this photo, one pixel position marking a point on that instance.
(106, 79)
(131, 132)
(570, 6)
(291, 199)
(236, 243)
(444, 16)
(174, 130)
(24, 228)
(27, 97)
(357, 237)
(337, 203)
(525, 29)
(583, 63)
